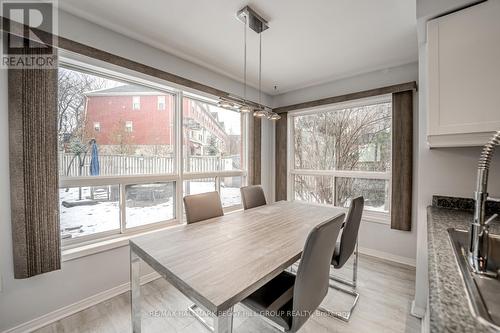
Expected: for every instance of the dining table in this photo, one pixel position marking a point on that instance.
(218, 262)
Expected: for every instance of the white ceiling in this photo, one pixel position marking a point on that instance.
(308, 43)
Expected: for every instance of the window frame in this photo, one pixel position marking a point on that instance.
(214, 174)
(136, 103)
(178, 176)
(161, 106)
(129, 126)
(369, 215)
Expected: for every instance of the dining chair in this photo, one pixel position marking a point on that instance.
(204, 206)
(200, 207)
(288, 300)
(252, 196)
(344, 249)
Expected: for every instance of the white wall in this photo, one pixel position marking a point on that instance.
(374, 238)
(450, 171)
(376, 79)
(23, 300)
(267, 158)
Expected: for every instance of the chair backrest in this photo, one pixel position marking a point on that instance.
(350, 232)
(252, 196)
(202, 206)
(312, 281)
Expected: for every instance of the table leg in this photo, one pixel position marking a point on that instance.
(135, 291)
(223, 323)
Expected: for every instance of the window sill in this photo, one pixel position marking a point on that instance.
(73, 252)
(369, 216)
(376, 217)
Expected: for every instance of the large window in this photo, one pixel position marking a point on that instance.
(122, 170)
(212, 145)
(340, 152)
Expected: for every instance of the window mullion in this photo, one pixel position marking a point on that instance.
(217, 184)
(178, 115)
(123, 207)
(334, 191)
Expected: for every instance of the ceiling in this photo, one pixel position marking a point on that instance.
(308, 43)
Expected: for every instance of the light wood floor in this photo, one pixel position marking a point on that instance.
(386, 289)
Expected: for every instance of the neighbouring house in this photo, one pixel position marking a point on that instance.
(137, 120)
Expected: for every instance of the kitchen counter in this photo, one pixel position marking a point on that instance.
(448, 298)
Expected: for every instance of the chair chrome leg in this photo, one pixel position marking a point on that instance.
(345, 316)
(192, 310)
(354, 281)
(342, 315)
(268, 321)
(355, 267)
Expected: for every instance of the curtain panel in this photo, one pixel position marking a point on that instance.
(32, 95)
(255, 139)
(402, 160)
(281, 157)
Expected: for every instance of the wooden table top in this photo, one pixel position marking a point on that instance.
(221, 261)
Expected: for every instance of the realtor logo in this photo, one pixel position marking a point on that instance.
(28, 34)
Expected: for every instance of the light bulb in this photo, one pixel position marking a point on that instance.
(260, 113)
(274, 116)
(225, 104)
(245, 109)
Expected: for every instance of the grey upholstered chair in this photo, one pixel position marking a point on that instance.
(288, 300)
(343, 250)
(202, 206)
(252, 196)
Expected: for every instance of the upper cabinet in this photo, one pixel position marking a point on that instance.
(464, 76)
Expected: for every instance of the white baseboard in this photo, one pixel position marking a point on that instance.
(388, 256)
(78, 306)
(417, 311)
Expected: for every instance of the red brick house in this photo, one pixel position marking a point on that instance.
(133, 119)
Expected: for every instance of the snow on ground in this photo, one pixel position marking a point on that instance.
(105, 215)
(101, 217)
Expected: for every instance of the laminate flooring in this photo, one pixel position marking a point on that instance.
(386, 289)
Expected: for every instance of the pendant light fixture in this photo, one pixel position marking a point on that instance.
(245, 108)
(254, 21)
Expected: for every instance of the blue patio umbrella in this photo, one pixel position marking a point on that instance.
(94, 159)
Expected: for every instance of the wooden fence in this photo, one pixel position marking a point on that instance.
(117, 165)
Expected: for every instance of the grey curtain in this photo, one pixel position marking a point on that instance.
(402, 160)
(32, 104)
(255, 138)
(281, 161)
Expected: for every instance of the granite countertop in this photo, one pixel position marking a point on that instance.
(448, 299)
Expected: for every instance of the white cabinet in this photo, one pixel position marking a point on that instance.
(464, 76)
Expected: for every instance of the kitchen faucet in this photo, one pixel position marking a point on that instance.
(479, 230)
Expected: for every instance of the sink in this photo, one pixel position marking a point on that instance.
(483, 289)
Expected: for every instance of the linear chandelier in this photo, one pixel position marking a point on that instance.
(254, 21)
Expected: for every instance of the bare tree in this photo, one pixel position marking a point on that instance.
(338, 140)
(71, 102)
(122, 139)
